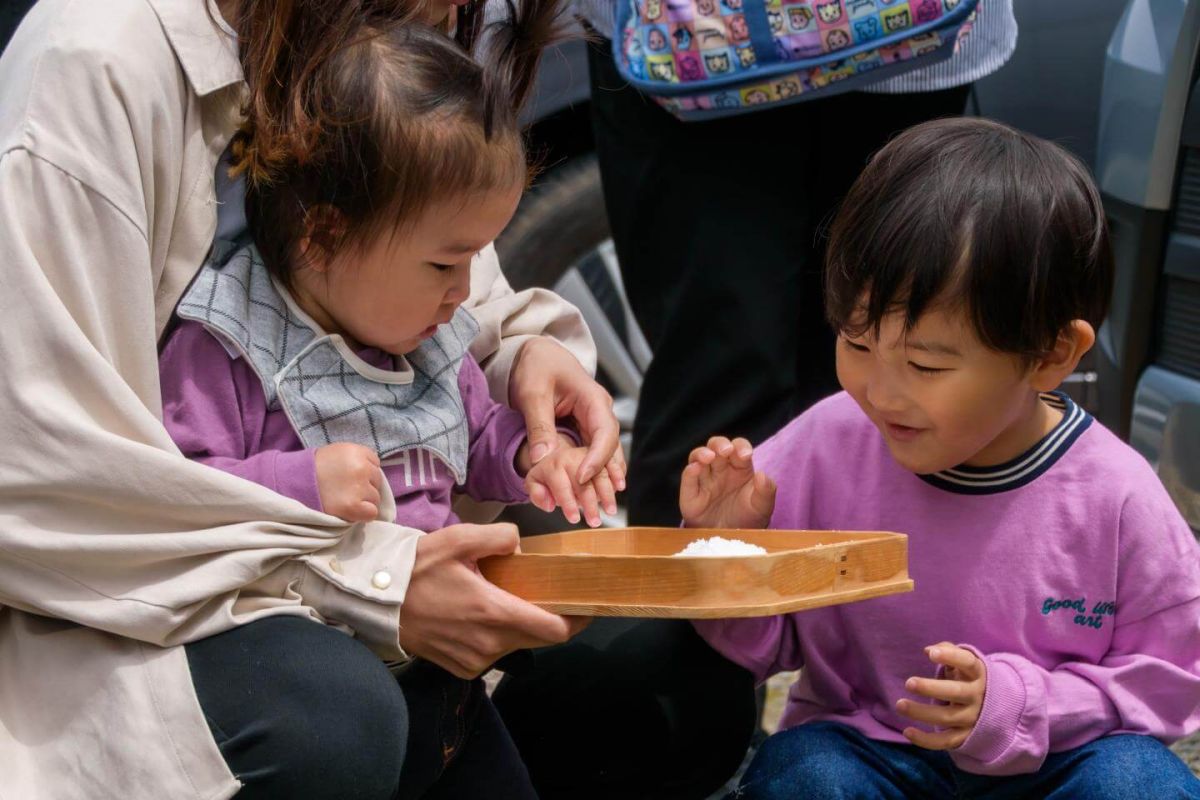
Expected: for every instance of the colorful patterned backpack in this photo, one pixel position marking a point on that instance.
(702, 59)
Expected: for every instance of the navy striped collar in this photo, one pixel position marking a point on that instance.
(1026, 467)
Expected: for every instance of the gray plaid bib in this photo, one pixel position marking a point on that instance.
(328, 393)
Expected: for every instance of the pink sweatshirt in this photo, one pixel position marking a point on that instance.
(1068, 571)
(215, 410)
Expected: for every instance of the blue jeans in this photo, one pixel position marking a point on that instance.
(828, 760)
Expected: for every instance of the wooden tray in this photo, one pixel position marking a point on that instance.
(631, 572)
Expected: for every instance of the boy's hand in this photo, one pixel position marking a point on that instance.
(349, 481)
(720, 489)
(958, 698)
(553, 481)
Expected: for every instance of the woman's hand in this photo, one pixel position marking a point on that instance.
(720, 489)
(547, 383)
(456, 619)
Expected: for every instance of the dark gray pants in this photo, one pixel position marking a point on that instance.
(300, 710)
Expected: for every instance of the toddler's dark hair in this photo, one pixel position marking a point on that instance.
(977, 216)
(396, 118)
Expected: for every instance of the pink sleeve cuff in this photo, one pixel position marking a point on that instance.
(295, 474)
(1004, 702)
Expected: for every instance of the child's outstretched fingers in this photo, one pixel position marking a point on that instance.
(563, 490)
(540, 496)
(605, 492)
(586, 496)
(762, 498)
(694, 490)
(742, 453)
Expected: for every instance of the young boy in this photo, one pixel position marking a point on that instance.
(1052, 643)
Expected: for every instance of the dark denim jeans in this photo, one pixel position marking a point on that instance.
(300, 710)
(827, 760)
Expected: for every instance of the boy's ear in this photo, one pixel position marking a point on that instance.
(1054, 367)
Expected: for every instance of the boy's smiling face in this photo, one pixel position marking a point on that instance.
(940, 397)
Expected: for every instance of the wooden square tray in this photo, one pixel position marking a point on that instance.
(632, 572)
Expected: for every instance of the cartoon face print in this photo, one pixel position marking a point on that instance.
(799, 17)
(756, 97)
(733, 5)
(897, 21)
(706, 7)
(662, 71)
(710, 39)
(653, 9)
(867, 29)
(856, 8)
(655, 40)
(717, 63)
(928, 10)
(830, 11)
(775, 18)
(683, 38)
(836, 39)
(689, 67)
(747, 57)
(726, 101)
(788, 88)
(738, 30)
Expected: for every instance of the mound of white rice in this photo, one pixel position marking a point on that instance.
(720, 546)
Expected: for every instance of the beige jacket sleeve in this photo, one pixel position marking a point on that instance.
(508, 319)
(106, 524)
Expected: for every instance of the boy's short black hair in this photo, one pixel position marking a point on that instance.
(975, 215)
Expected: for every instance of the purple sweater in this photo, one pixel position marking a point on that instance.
(215, 410)
(1068, 571)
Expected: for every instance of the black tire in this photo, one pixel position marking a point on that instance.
(560, 220)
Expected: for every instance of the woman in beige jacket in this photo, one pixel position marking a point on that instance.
(114, 549)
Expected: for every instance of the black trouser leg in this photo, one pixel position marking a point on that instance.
(629, 710)
(718, 228)
(300, 710)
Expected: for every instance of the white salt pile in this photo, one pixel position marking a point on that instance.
(720, 546)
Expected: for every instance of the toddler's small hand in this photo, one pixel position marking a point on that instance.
(958, 698)
(349, 481)
(720, 489)
(553, 481)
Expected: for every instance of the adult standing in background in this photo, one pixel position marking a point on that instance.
(717, 226)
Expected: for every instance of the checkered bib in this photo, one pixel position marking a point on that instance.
(703, 59)
(328, 393)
